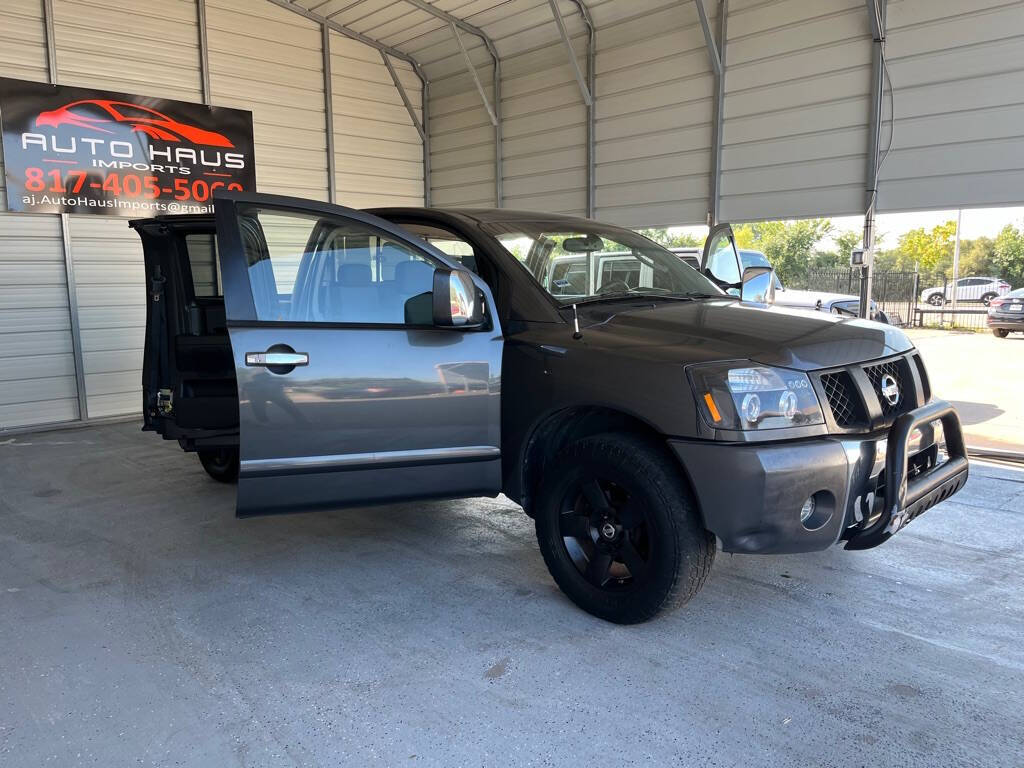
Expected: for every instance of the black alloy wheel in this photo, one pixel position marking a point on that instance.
(605, 533)
(619, 530)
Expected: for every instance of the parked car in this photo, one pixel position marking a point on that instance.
(982, 289)
(1006, 313)
(635, 410)
(821, 301)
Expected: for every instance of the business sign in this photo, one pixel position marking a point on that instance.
(78, 150)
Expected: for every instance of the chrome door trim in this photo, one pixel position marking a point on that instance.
(376, 460)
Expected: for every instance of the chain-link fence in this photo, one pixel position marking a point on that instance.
(906, 302)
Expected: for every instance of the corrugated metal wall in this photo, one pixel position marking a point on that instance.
(262, 58)
(461, 135)
(37, 364)
(654, 113)
(107, 256)
(796, 109)
(544, 159)
(268, 60)
(958, 71)
(378, 154)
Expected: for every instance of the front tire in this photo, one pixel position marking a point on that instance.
(936, 300)
(221, 464)
(619, 529)
(1000, 333)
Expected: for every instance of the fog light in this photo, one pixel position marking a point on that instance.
(751, 408)
(807, 509)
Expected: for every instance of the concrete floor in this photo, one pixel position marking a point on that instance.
(982, 377)
(142, 624)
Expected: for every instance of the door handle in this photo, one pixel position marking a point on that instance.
(268, 359)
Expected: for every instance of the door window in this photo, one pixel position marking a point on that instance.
(316, 269)
(722, 261)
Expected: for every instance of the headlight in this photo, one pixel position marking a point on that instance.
(744, 395)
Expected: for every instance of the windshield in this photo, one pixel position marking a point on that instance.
(758, 259)
(585, 261)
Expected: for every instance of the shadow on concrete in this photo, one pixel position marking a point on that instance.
(976, 413)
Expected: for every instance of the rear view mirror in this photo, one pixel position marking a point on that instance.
(758, 285)
(457, 301)
(584, 244)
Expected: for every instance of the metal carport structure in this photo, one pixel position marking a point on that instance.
(609, 108)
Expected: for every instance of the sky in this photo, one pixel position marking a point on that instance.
(976, 222)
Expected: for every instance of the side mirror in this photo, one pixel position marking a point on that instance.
(758, 285)
(456, 299)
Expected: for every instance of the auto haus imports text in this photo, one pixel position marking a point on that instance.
(118, 171)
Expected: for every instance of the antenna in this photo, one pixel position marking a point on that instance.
(576, 333)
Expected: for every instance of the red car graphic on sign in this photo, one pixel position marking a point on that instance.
(96, 114)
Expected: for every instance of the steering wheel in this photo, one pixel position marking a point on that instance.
(615, 286)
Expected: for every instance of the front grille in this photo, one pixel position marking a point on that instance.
(842, 399)
(895, 369)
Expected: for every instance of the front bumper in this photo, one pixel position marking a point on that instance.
(866, 489)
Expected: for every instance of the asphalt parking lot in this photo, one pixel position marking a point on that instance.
(982, 376)
(142, 624)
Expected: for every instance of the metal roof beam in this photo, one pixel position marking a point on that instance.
(560, 23)
(462, 24)
(709, 38)
(472, 71)
(390, 50)
(405, 96)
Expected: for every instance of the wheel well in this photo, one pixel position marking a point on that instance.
(565, 427)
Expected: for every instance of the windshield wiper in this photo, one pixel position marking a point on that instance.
(699, 295)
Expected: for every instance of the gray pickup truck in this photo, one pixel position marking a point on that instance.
(324, 357)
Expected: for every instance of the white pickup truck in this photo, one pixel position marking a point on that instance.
(836, 303)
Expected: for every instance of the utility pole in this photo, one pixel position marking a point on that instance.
(956, 256)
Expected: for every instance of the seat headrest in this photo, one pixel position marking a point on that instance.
(413, 277)
(354, 275)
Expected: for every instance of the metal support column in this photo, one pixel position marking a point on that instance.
(876, 17)
(65, 238)
(204, 52)
(420, 126)
(591, 106)
(716, 54)
(325, 47)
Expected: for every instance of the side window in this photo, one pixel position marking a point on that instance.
(722, 261)
(304, 268)
(202, 259)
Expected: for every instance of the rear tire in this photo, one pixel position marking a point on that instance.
(987, 298)
(619, 529)
(221, 464)
(1001, 333)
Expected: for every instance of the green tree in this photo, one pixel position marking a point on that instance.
(838, 257)
(976, 257)
(788, 245)
(671, 239)
(1008, 254)
(931, 250)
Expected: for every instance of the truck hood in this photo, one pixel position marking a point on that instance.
(706, 330)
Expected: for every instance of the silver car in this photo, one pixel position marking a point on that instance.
(982, 289)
